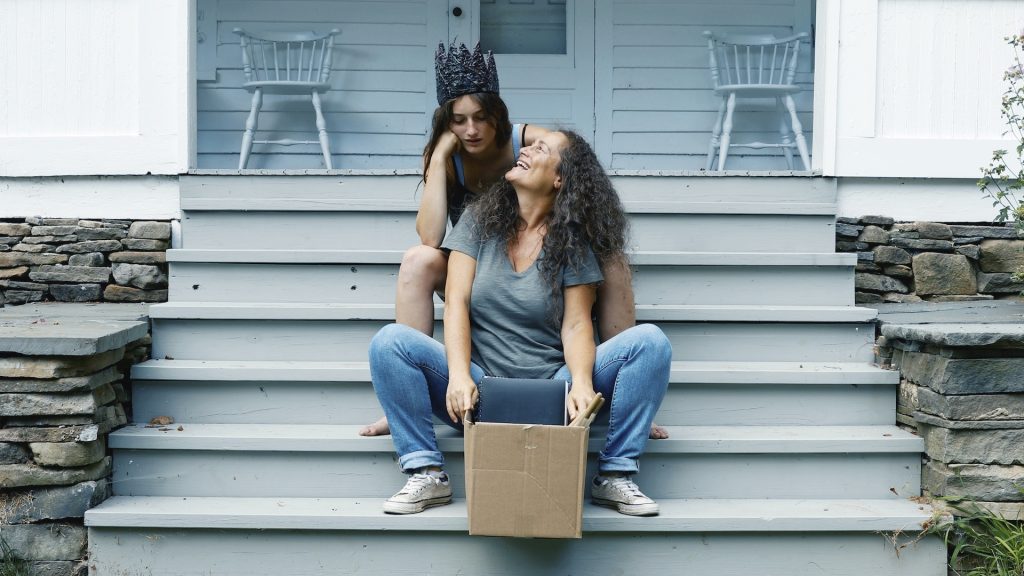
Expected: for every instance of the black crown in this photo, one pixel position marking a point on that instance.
(461, 72)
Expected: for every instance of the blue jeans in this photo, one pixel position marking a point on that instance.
(410, 376)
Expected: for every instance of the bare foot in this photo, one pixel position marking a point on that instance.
(658, 432)
(380, 428)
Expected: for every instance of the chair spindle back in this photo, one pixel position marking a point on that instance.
(753, 60)
(287, 56)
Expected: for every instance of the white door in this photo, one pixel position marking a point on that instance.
(544, 50)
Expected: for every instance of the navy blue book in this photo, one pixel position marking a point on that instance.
(522, 401)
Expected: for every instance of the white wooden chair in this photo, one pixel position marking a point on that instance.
(755, 67)
(286, 63)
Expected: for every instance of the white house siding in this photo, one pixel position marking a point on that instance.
(917, 85)
(382, 83)
(93, 87)
(661, 107)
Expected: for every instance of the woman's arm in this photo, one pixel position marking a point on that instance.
(432, 218)
(462, 392)
(578, 342)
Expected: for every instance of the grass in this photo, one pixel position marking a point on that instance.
(983, 543)
(10, 564)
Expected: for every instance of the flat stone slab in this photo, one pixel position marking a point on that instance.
(984, 482)
(962, 375)
(973, 446)
(56, 503)
(960, 335)
(966, 406)
(81, 311)
(68, 336)
(933, 420)
(984, 312)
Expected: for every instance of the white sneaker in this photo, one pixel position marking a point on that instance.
(421, 491)
(621, 493)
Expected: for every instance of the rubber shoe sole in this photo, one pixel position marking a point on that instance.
(415, 507)
(650, 509)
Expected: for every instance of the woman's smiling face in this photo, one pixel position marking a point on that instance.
(472, 125)
(537, 165)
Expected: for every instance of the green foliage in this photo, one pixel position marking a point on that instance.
(10, 564)
(1003, 179)
(982, 543)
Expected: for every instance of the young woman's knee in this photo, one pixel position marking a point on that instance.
(423, 263)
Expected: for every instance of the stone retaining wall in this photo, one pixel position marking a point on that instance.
(55, 414)
(72, 260)
(915, 261)
(966, 399)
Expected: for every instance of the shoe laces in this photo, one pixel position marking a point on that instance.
(625, 485)
(418, 482)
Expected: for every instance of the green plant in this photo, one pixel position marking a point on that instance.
(11, 564)
(1003, 179)
(983, 543)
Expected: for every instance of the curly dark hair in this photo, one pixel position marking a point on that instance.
(587, 213)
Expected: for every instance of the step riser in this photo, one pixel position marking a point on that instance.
(376, 474)
(329, 553)
(348, 340)
(406, 188)
(375, 284)
(197, 552)
(354, 403)
(225, 230)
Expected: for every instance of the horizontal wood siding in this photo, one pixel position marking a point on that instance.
(662, 105)
(381, 86)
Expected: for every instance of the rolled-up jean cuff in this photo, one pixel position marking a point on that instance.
(628, 465)
(421, 459)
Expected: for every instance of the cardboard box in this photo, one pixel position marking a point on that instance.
(525, 480)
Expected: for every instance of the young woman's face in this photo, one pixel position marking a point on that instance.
(537, 166)
(471, 124)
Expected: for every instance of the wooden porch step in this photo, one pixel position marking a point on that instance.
(677, 515)
(638, 258)
(338, 311)
(317, 334)
(682, 439)
(334, 461)
(688, 372)
(699, 394)
(369, 277)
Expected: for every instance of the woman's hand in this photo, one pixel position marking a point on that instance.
(447, 145)
(462, 395)
(580, 396)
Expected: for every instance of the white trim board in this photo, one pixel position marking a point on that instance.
(910, 199)
(124, 197)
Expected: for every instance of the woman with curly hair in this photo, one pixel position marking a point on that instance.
(524, 268)
(472, 144)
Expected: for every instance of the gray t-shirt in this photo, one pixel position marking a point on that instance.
(510, 327)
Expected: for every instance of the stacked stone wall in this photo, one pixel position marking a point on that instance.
(73, 260)
(966, 400)
(932, 261)
(55, 414)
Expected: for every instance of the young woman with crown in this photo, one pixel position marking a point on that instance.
(524, 269)
(472, 144)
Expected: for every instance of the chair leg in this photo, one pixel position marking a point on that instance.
(321, 126)
(784, 133)
(716, 133)
(723, 148)
(801, 142)
(250, 128)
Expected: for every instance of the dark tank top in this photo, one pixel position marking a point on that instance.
(458, 193)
